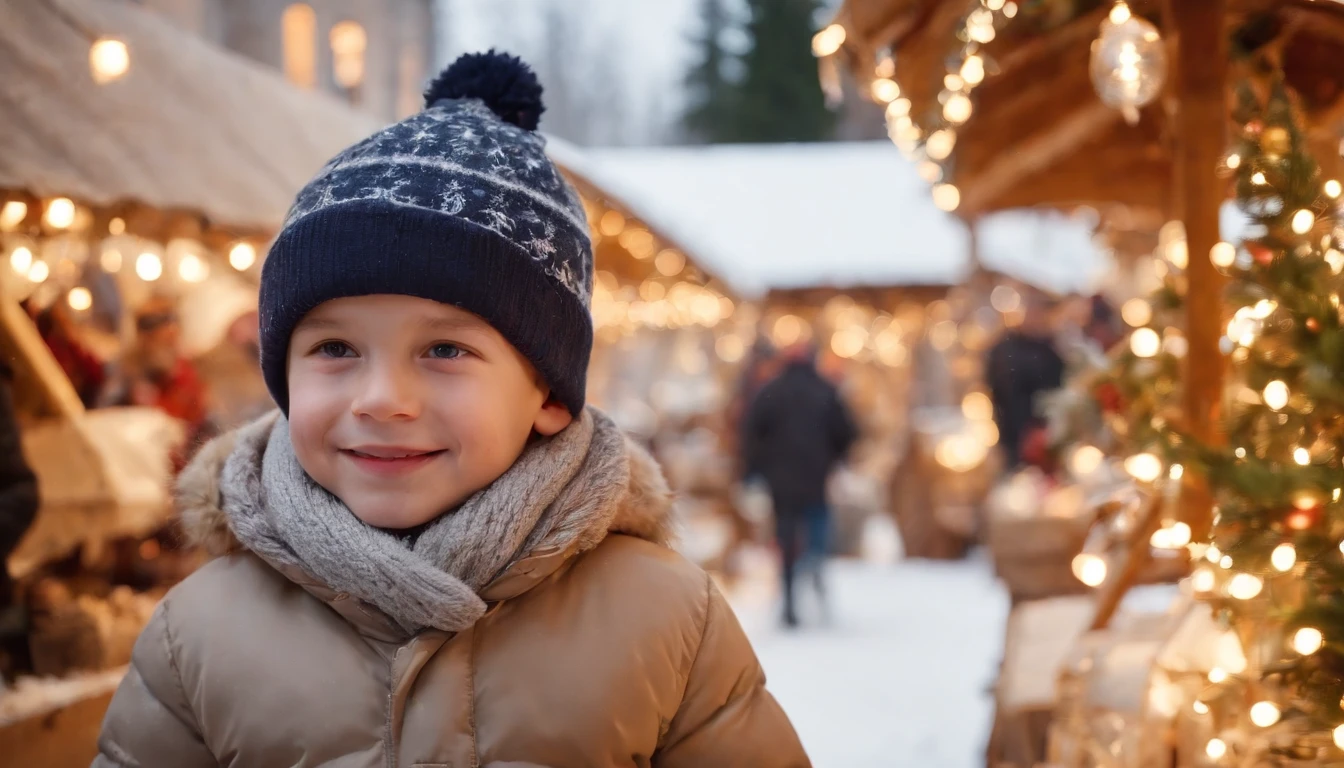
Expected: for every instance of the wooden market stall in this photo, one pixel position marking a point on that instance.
(998, 103)
(139, 162)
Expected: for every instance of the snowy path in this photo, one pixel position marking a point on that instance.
(901, 676)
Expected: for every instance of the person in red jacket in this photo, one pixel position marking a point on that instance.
(155, 374)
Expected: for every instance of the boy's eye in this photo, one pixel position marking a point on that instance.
(445, 351)
(335, 349)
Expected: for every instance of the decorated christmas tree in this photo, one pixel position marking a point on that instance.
(1275, 571)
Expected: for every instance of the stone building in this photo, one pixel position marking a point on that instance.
(374, 53)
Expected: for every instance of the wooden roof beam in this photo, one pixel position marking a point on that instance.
(1034, 155)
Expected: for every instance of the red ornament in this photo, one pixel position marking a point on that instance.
(1254, 127)
(1262, 255)
(1109, 398)
(1313, 324)
(1302, 519)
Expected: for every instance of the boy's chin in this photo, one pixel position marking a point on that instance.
(396, 516)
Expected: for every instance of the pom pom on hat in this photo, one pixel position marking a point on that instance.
(506, 84)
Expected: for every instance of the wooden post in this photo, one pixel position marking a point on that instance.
(1200, 86)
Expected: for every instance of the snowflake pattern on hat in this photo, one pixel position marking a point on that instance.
(457, 158)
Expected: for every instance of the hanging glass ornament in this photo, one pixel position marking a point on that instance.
(1129, 62)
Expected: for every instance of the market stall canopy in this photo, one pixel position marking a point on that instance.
(189, 127)
(1039, 134)
(841, 214)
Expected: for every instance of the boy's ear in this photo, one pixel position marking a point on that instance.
(552, 418)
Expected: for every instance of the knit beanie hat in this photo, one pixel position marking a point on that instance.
(458, 204)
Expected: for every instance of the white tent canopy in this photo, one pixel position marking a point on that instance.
(843, 214)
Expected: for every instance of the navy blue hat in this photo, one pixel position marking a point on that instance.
(458, 204)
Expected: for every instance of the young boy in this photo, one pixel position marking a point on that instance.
(435, 555)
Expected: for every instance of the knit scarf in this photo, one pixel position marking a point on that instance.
(563, 492)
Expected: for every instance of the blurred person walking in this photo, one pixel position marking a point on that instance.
(1022, 365)
(797, 431)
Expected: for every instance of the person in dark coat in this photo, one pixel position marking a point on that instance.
(1022, 365)
(797, 430)
(18, 509)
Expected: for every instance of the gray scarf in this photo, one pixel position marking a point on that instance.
(563, 492)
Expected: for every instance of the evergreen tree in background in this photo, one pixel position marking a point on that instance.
(780, 97)
(710, 93)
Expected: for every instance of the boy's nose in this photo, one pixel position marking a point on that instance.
(385, 393)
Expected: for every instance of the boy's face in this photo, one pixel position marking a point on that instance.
(404, 407)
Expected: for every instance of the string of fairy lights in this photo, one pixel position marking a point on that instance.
(1128, 68)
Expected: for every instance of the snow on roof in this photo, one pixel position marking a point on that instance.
(844, 214)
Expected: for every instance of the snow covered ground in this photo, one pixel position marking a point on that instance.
(900, 676)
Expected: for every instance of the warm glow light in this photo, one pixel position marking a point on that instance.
(1137, 312)
(1265, 713)
(116, 226)
(849, 342)
(21, 260)
(898, 108)
(1089, 569)
(111, 260)
(109, 60)
(828, 41)
(885, 90)
(1308, 640)
(977, 407)
(149, 267)
(1223, 255)
(953, 82)
(1225, 562)
(1302, 456)
(1335, 259)
(1145, 342)
(1086, 460)
(1212, 554)
(193, 269)
(1234, 161)
(12, 214)
(1202, 580)
(670, 263)
(973, 70)
(79, 299)
(39, 272)
(1333, 189)
(940, 143)
(1245, 586)
(611, 224)
(1276, 395)
(1259, 178)
(1010, 9)
(1283, 557)
(1144, 467)
(242, 256)
(930, 172)
(1217, 675)
(958, 108)
(788, 330)
(1201, 708)
(1120, 14)
(1005, 298)
(1216, 749)
(946, 196)
(730, 348)
(60, 213)
(1339, 737)
(1303, 221)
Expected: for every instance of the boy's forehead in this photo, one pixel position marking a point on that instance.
(360, 309)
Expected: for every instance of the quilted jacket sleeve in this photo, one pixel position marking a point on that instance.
(150, 722)
(727, 717)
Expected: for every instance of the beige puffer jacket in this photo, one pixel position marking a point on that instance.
(624, 655)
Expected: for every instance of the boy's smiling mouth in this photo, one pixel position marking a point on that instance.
(389, 459)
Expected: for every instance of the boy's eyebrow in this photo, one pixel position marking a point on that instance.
(456, 324)
(318, 323)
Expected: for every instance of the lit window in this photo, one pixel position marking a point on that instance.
(299, 28)
(348, 43)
